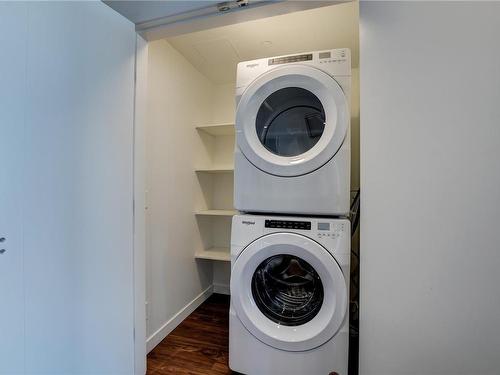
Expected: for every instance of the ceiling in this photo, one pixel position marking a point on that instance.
(215, 52)
(142, 11)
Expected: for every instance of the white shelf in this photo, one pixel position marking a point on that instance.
(217, 129)
(216, 213)
(214, 253)
(215, 170)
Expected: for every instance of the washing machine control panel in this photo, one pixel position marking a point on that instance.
(333, 234)
(319, 229)
(288, 224)
(329, 229)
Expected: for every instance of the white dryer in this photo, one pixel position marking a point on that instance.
(289, 295)
(292, 152)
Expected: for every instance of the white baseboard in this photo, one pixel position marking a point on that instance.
(221, 288)
(173, 322)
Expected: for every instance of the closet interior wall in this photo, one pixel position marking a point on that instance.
(180, 98)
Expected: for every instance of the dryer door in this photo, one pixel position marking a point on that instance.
(291, 120)
(289, 292)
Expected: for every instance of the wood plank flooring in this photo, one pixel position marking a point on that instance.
(199, 345)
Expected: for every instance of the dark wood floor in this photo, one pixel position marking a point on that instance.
(199, 345)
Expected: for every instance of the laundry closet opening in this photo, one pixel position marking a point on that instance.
(189, 170)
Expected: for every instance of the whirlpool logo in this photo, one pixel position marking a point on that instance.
(248, 222)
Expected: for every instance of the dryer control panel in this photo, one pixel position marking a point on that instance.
(335, 62)
(290, 59)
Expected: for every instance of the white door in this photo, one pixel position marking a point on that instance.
(289, 291)
(291, 120)
(66, 189)
(12, 87)
(78, 234)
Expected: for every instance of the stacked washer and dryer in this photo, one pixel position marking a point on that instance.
(290, 247)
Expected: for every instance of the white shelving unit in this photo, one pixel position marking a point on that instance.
(215, 170)
(214, 253)
(217, 129)
(215, 176)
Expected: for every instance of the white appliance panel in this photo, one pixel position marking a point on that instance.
(282, 261)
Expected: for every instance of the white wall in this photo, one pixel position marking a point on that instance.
(76, 91)
(12, 100)
(179, 98)
(223, 108)
(430, 141)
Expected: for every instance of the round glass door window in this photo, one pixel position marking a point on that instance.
(290, 121)
(287, 290)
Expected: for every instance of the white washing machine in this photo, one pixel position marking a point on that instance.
(289, 295)
(292, 152)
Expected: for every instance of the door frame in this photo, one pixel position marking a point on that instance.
(139, 204)
(145, 33)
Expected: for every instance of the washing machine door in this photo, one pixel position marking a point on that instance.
(291, 120)
(289, 292)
